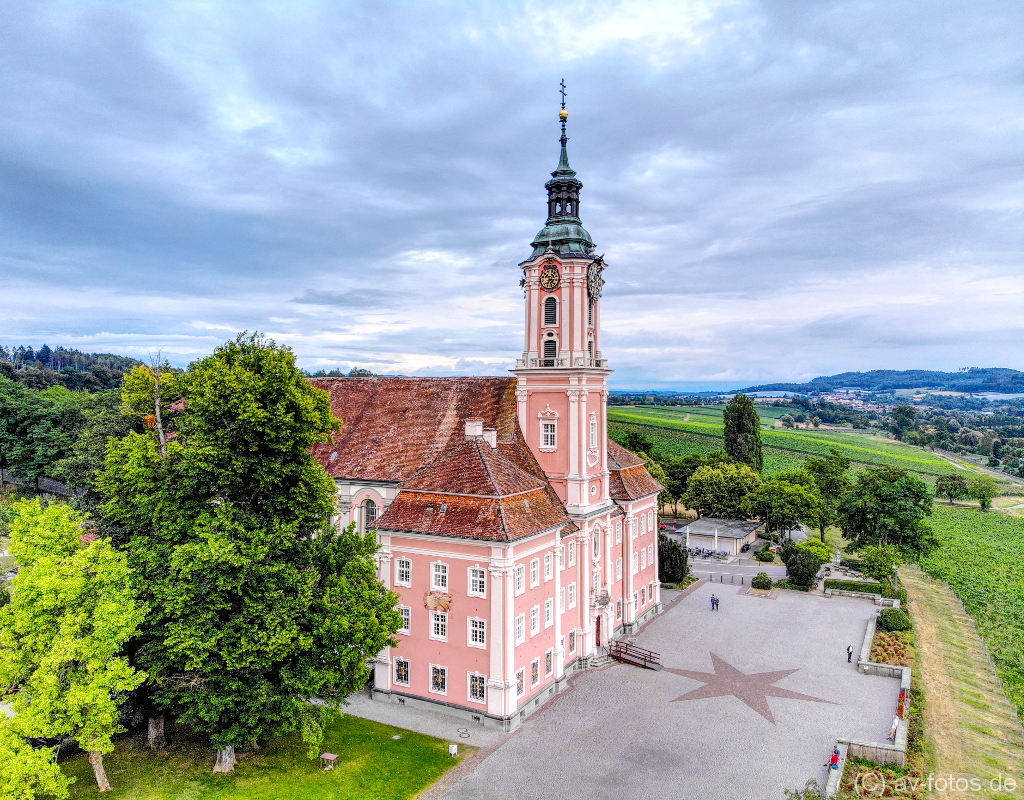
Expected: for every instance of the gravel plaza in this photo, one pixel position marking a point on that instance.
(750, 702)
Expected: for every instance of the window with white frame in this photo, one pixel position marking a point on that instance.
(477, 632)
(597, 581)
(618, 609)
(535, 672)
(618, 532)
(369, 514)
(548, 440)
(650, 520)
(650, 591)
(643, 559)
(549, 662)
(618, 568)
(477, 582)
(650, 554)
(561, 557)
(534, 620)
(477, 688)
(403, 572)
(549, 612)
(402, 671)
(636, 601)
(572, 554)
(632, 528)
(535, 572)
(520, 579)
(439, 576)
(593, 432)
(551, 311)
(549, 566)
(438, 679)
(521, 629)
(439, 625)
(636, 562)
(572, 595)
(521, 683)
(561, 599)
(643, 596)
(406, 614)
(597, 544)
(643, 526)
(572, 641)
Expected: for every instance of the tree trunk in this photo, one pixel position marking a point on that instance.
(225, 759)
(96, 759)
(822, 529)
(156, 733)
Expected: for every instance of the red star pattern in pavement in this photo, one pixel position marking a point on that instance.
(753, 689)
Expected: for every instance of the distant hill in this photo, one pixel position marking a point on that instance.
(39, 369)
(974, 379)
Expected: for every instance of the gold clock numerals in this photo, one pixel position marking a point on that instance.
(549, 278)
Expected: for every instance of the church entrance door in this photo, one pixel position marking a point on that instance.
(597, 633)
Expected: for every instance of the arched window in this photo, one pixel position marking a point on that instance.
(550, 350)
(369, 515)
(551, 311)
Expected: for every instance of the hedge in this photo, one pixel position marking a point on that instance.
(855, 586)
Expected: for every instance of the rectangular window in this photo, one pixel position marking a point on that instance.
(535, 672)
(572, 554)
(572, 641)
(650, 591)
(643, 525)
(572, 595)
(650, 520)
(635, 563)
(561, 599)
(440, 580)
(643, 559)
(403, 572)
(549, 662)
(547, 437)
(549, 616)
(549, 563)
(406, 613)
(561, 557)
(650, 554)
(534, 573)
(477, 688)
(618, 609)
(597, 544)
(618, 532)
(534, 620)
(521, 629)
(593, 432)
(439, 626)
(643, 596)
(477, 582)
(520, 579)
(477, 632)
(521, 683)
(438, 679)
(618, 569)
(636, 601)
(401, 672)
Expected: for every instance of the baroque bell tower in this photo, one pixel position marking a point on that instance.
(562, 377)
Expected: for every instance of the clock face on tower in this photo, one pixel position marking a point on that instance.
(549, 278)
(594, 280)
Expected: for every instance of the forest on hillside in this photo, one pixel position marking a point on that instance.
(60, 366)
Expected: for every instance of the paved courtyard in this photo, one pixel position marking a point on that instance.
(751, 700)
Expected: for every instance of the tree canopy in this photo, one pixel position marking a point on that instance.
(781, 505)
(952, 487)
(256, 605)
(983, 488)
(887, 505)
(743, 432)
(832, 482)
(719, 491)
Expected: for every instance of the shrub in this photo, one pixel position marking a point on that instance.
(853, 586)
(761, 581)
(803, 568)
(766, 556)
(852, 563)
(672, 560)
(817, 548)
(789, 549)
(894, 619)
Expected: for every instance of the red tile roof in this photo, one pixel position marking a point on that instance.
(474, 467)
(629, 479)
(393, 427)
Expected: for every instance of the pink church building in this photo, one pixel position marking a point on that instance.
(520, 539)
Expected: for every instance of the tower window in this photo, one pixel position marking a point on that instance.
(568, 208)
(590, 312)
(551, 311)
(590, 347)
(547, 435)
(550, 351)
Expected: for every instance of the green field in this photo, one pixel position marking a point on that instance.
(681, 430)
(981, 557)
(370, 764)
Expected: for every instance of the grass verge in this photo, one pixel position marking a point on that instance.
(371, 764)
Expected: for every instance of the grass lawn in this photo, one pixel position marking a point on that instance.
(370, 765)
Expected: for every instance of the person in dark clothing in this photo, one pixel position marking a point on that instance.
(849, 654)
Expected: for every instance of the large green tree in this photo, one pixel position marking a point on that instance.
(887, 505)
(743, 432)
(71, 612)
(832, 482)
(257, 606)
(952, 487)
(25, 771)
(719, 491)
(781, 505)
(984, 489)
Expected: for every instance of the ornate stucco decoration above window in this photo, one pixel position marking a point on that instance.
(437, 601)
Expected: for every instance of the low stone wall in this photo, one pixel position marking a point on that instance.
(878, 600)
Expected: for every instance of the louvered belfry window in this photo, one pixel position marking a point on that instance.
(551, 311)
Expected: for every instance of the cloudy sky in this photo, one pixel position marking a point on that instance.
(782, 189)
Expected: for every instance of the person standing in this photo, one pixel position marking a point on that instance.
(849, 654)
(714, 603)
